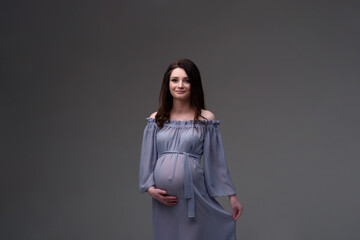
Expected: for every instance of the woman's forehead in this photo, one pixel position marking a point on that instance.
(178, 72)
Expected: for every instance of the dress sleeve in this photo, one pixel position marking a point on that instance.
(217, 176)
(148, 156)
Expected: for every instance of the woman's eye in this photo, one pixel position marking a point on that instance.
(174, 80)
(187, 81)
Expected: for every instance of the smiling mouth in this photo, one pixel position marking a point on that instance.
(180, 91)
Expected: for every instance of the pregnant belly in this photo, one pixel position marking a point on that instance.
(169, 175)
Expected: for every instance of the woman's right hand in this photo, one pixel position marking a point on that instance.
(161, 196)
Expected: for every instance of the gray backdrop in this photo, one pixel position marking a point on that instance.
(78, 79)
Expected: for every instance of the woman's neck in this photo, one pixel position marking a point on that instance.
(181, 110)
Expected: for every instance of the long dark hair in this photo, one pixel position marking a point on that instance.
(197, 101)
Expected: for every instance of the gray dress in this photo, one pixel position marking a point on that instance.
(171, 160)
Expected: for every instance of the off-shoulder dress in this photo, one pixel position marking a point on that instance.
(171, 160)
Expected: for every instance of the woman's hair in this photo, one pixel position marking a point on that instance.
(197, 101)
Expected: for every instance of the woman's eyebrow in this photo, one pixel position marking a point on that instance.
(184, 77)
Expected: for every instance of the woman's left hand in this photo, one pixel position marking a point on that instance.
(236, 206)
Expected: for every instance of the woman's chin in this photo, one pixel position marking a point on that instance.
(181, 98)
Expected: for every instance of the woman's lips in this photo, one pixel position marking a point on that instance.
(180, 92)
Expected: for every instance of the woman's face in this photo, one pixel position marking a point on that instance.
(179, 84)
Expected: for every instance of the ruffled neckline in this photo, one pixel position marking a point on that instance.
(185, 122)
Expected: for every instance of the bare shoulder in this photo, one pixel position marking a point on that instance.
(153, 115)
(207, 114)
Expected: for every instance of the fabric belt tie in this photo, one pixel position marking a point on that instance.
(188, 180)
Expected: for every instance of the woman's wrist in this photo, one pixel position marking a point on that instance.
(232, 196)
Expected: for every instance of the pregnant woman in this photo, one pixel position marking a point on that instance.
(175, 138)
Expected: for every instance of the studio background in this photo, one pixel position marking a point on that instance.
(79, 78)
